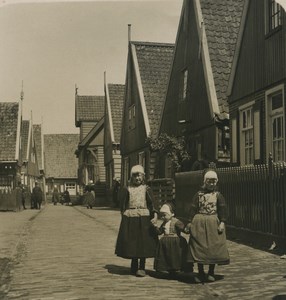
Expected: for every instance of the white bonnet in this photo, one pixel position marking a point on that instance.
(137, 169)
(166, 209)
(210, 175)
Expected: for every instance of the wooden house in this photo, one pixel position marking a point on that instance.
(148, 68)
(114, 99)
(39, 143)
(10, 153)
(61, 164)
(29, 170)
(257, 85)
(89, 112)
(196, 106)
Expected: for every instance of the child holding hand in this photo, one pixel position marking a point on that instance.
(171, 253)
(207, 228)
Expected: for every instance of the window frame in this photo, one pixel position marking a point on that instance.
(246, 150)
(273, 11)
(274, 115)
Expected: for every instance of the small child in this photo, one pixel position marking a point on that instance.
(171, 253)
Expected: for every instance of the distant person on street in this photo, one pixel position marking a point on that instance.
(56, 195)
(206, 226)
(20, 194)
(136, 237)
(89, 196)
(66, 196)
(116, 186)
(37, 196)
(172, 249)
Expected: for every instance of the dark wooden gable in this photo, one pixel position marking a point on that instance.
(147, 76)
(114, 99)
(260, 55)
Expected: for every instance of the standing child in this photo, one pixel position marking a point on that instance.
(207, 228)
(171, 254)
(136, 238)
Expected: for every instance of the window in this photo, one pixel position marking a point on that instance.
(223, 143)
(274, 19)
(183, 95)
(246, 136)
(131, 117)
(71, 187)
(142, 159)
(276, 124)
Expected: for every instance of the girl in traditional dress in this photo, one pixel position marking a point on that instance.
(171, 254)
(136, 238)
(207, 228)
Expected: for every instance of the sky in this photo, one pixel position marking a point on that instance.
(51, 46)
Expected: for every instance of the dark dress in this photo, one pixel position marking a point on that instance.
(207, 245)
(136, 236)
(171, 254)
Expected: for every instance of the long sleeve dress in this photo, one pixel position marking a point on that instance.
(136, 236)
(207, 245)
(171, 254)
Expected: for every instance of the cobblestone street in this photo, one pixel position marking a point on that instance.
(64, 252)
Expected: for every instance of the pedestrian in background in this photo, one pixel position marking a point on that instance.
(89, 196)
(136, 237)
(20, 194)
(116, 186)
(56, 195)
(207, 228)
(37, 196)
(172, 249)
(66, 196)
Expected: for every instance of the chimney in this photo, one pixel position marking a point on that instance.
(129, 33)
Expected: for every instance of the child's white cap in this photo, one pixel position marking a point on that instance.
(137, 169)
(166, 209)
(210, 175)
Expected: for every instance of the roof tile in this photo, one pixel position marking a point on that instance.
(60, 158)
(154, 61)
(8, 130)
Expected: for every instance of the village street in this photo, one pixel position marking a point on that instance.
(65, 252)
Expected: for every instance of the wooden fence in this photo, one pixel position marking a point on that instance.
(163, 190)
(255, 196)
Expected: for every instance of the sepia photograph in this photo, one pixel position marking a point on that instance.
(142, 149)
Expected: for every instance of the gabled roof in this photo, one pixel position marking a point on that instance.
(154, 62)
(88, 109)
(115, 101)
(92, 134)
(10, 121)
(221, 23)
(60, 160)
(25, 138)
(37, 131)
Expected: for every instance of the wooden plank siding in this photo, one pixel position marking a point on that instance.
(261, 61)
(85, 128)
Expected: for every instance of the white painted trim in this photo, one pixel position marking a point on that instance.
(267, 131)
(29, 140)
(211, 90)
(246, 105)
(18, 136)
(140, 90)
(109, 113)
(184, 7)
(237, 48)
(234, 140)
(256, 133)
